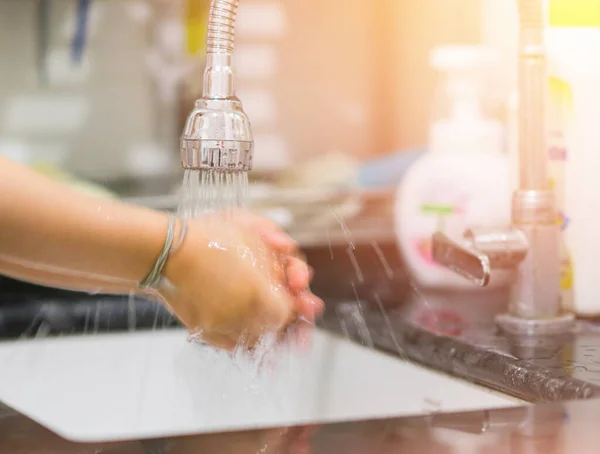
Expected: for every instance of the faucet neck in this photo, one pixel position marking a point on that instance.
(532, 97)
(219, 74)
(219, 77)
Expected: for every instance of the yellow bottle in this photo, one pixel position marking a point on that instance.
(196, 25)
(573, 39)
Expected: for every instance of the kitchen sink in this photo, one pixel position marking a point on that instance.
(150, 384)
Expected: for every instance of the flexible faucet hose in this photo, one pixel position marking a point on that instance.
(221, 26)
(532, 96)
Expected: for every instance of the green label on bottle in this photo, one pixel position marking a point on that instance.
(437, 209)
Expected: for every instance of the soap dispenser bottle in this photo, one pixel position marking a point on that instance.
(462, 182)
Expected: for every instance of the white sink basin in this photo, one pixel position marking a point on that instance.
(154, 384)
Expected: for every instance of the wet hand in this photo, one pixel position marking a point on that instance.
(236, 277)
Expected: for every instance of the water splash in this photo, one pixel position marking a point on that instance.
(131, 312)
(354, 261)
(386, 266)
(388, 323)
(345, 229)
(247, 381)
(97, 318)
(43, 330)
(156, 314)
(328, 236)
(359, 319)
(356, 310)
(86, 325)
(422, 299)
(340, 314)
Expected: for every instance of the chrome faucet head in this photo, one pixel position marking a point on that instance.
(217, 136)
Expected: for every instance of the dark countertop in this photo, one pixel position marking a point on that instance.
(532, 369)
(541, 429)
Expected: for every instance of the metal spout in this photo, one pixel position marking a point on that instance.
(217, 134)
(531, 245)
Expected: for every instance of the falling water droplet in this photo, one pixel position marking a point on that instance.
(390, 328)
(328, 235)
(386, 266)
(97, 318)
(359, 319)
(131, 313)
(86, 324)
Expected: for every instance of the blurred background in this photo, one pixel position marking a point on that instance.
(100, 88)
(340, 94)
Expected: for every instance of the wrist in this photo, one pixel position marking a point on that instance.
(174, 237)
(175, 263)
(141, 239)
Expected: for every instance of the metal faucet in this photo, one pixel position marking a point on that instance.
(531, 245)
(217, 135)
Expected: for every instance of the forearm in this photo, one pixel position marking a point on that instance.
(65, 279)
(52, 235)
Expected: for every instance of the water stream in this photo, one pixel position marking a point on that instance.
(204, 192)
(209, 191)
